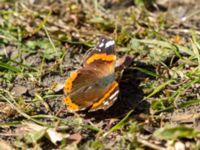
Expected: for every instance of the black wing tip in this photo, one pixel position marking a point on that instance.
(106, 45)
(105, 42)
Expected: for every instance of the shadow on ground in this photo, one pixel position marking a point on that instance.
(130, 98)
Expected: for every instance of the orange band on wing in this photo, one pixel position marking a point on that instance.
(70, 104)
(97, 104)
(68, 83)
(104, 57)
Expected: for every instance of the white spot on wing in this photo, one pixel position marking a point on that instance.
(98, 49)
(114, 99)
(109, 43)
(106, 103)
(114, 95)
(101, 45)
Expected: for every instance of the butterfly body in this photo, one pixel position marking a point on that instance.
(93, 86)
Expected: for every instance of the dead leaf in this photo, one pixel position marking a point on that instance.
(76, 138)
(33, 132)
(6, 109)
(26, 128)
(55, 136)
(58, 87)
(19, 90)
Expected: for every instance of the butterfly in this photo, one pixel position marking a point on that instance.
(94, 85)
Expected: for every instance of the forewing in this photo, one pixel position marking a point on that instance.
(105, 51)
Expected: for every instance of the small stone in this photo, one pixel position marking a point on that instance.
(179, 146)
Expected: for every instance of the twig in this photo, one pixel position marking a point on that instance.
(150, 145)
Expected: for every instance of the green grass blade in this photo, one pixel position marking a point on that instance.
(180, 106)
(118, 125)
(9, 67)
(159, 88)
(189, 103)
(172, 133)
(182, 89)
(42, 23)
(195, 47)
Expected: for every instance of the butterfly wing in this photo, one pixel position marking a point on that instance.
(94, 85)
(103, 52)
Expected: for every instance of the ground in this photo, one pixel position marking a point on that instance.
(42, 42)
